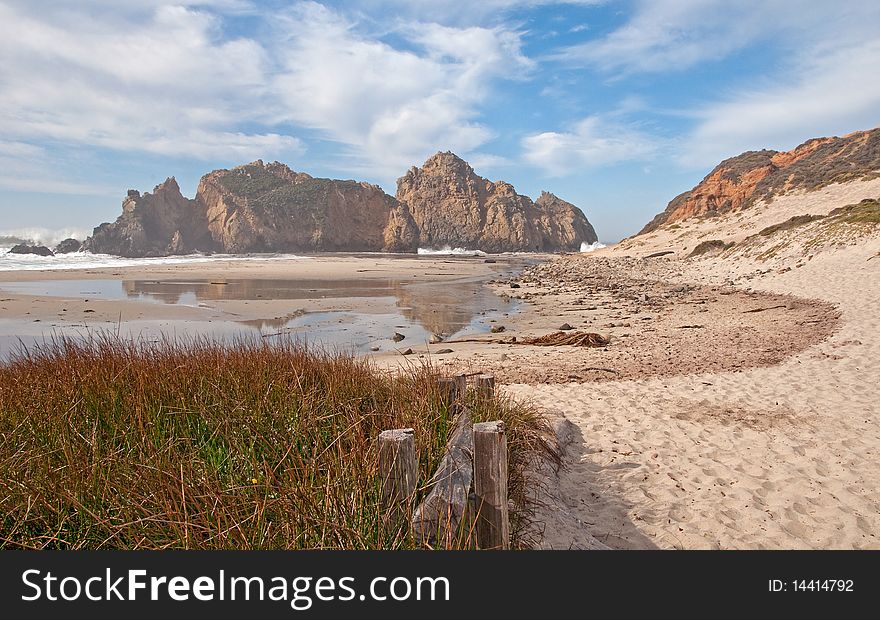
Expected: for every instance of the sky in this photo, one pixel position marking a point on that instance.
(615, 106)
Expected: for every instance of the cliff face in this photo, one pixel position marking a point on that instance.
(453, 206)
(270, 208)
(258, 208)
(741, 181)
(156, 224)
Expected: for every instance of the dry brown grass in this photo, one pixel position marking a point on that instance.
(115, 444)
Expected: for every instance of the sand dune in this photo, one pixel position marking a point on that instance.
(781, 456)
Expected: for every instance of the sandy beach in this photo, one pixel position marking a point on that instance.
(734, 406)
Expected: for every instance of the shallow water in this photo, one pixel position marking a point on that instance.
(452, 308)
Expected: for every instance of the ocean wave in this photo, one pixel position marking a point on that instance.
(447, 250)
(43, 236)
(592, 247)
(87, 260)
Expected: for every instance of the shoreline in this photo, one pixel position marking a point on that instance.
(395, 289)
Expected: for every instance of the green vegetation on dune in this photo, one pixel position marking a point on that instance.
(112, 444)
(711, 246)
(865, 212)
(789, 224)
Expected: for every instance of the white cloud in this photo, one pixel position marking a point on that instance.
(454, 12)
(593, 142)
(831, 94)
(673, 35)
(392, 107)
(27, 167)
(169, 79)
(169, 85)
(821, 59)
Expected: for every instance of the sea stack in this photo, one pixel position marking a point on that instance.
(453, 206)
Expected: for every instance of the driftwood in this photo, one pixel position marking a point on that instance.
(764, 309)
(574, 339)
(440, 515)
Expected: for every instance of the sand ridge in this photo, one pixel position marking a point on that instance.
(779, 456)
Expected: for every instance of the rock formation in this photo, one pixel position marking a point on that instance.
(26, 248)
(67, 246)
(452, 206)
(156, 224)
(741, 181)
(270, 208)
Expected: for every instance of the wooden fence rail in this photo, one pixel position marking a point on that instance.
(468, 496)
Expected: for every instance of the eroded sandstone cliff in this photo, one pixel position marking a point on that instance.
(154, 224)
(453, 206)
(741, 181)
(270, 208)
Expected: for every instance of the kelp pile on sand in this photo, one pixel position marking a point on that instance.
(560, 338)
(114, 444)
(573, 339)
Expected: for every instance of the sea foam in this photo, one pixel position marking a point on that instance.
(592, 247)
(448, 250)
(87, 260)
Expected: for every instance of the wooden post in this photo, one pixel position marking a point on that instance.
(486, 386)
(399, 471)
(461, 382)
(490, 485)
(448, 391)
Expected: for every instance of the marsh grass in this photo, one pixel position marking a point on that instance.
(108, 443)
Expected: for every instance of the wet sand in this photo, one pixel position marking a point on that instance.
(343, 301)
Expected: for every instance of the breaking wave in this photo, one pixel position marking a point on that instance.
(448, 250)
(592, 247)
(87, 260)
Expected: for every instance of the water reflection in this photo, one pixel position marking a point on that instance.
(457, 307)
(439, 307)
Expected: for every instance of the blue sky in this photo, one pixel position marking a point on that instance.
(616, 106)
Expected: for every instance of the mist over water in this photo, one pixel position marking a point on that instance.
(39, 236)
(592, 247)
(87, 260)
(449, 250)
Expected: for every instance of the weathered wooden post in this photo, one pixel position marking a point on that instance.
(399, 470)
(490, 485)
(448, 391)
(486, 386)
(461, 381)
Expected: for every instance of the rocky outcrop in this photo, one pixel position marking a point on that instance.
(741, 181)
(270, 208)
(25, 248)
(453, 206)
(67, 246)
(156, 224)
